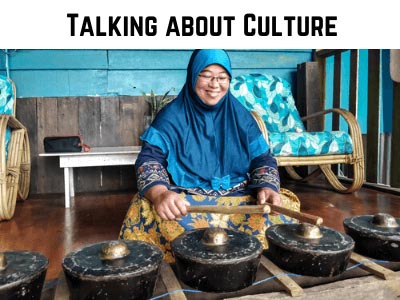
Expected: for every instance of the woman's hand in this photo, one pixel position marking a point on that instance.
(266, 195)
(169, 205)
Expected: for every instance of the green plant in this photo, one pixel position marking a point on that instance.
(156, 102)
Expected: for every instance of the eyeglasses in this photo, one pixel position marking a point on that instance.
(220, 79)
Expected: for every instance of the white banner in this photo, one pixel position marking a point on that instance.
(147, 24)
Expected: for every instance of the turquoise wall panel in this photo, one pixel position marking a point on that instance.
(269, 59)
(178, 59)
(362, 109)
(41, 83)
(387, 93)
(61, 73)
(56, 59)
(329, 92)
(125, 82)
(148, 59)
(59, 83)
(345, 90)
(88, 82)
(385, 90)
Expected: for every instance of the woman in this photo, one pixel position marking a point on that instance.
(204, 148)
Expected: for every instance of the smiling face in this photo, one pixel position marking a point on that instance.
(209, 88)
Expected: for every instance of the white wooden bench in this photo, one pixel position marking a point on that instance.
(97, 156)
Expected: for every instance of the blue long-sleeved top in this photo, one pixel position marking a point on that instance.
(151, 169)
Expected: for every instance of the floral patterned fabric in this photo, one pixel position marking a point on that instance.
(143, 223)
(271, 97)
(6, 104)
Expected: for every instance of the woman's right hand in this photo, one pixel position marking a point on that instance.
(169, 205)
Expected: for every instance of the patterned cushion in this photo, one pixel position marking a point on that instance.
(271, 97)
(6, 104)
(310, 143)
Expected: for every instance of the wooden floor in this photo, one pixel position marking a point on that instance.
(42, 224)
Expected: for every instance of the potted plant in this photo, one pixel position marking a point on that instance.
(156, 103)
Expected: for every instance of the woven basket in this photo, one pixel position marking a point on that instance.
(10, 170)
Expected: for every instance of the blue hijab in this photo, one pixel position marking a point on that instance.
(210, 147)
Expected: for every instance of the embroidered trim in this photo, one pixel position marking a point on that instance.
(265, 175)
(200, 191)
(149, 173)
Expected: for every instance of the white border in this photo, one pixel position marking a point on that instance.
(43, 24)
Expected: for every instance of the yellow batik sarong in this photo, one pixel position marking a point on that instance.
(143, 223)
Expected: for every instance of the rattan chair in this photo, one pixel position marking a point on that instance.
(15, 161)
(271, 98)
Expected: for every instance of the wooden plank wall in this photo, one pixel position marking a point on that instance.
(102, 121)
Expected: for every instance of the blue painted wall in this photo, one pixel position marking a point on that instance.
(61, 73)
